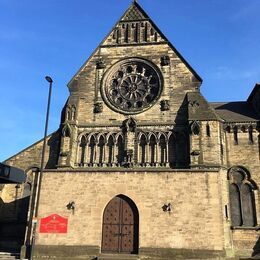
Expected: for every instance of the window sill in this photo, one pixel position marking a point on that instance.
(256, 228)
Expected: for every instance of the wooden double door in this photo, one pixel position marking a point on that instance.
(120, 226)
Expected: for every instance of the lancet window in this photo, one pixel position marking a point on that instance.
(142, 150)
(92, 150)
(152, 150)
(66, 139)
(71, 113)
(120, 149)
(97, 150)
(111, 150)
(242, 199)
(101, 150)
(163, 153)
(82, 150)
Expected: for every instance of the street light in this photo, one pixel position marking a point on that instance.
(49, 79)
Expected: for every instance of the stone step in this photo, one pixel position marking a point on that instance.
(117, 257)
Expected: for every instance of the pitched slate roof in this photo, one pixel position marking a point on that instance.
(235, 111)
(199, 108)
(256, 88)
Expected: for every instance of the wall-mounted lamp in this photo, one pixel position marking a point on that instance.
(167, 207)
(71, 206)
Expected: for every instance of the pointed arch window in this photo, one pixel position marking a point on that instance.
(142, 149)
(82, 150)
(101, 150)
(242, 199)
(152, 146)
(92, 150)
(66, 138)
(235, 205)
(120, 149)
(163, 150)
(110, 146)
(68, 113)
(73, 112)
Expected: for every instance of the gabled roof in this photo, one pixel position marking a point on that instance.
(199, 109)
(256, 88)
(136, 13)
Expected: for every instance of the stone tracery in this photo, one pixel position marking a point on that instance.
(152, 149)
(132, 86)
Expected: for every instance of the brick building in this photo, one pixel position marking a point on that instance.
(142, 164)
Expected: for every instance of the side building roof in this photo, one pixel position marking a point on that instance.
(241, 111)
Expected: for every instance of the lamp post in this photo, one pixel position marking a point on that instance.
(49, 79)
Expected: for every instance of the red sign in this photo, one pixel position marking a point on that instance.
(54, 224)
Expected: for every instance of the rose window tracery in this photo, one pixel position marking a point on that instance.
(132, 86)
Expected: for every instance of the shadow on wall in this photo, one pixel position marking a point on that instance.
(182, 144)
(13, 221)
(256, 248)
(54, 144)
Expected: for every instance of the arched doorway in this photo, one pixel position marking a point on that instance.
(120, 226)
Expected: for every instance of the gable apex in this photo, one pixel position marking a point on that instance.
(135, 27)
(134, 13)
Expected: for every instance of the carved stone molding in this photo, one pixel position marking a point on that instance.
(165, 61)
(100, 64)
(165, 106)
(98, 107)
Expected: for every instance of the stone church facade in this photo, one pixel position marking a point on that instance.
(142, 164)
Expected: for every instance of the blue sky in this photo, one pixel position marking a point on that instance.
(219, 38)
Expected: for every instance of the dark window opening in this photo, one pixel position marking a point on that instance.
(250, 135)
(208, 130)
(235, 135)
(242, 200)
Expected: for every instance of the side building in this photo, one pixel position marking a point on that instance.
(142, 164)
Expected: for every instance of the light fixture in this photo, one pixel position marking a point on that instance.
(167, 207)
(71, 206)
(49, 79)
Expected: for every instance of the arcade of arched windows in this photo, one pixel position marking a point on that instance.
(151, 149)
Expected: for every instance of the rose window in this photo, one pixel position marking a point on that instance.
(132, 86)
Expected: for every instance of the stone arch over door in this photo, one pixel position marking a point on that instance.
(120, 229)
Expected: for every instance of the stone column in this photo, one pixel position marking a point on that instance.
(104, 157)
(147, 155)
(167, 154)
(95, 155)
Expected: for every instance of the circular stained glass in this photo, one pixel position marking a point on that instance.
(132, 86)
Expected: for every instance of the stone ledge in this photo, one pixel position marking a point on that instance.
(171, 253)
(93, 252)
(61, 251)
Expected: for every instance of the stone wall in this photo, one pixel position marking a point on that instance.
(174, 89)
(30, 157)
(195, 222)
